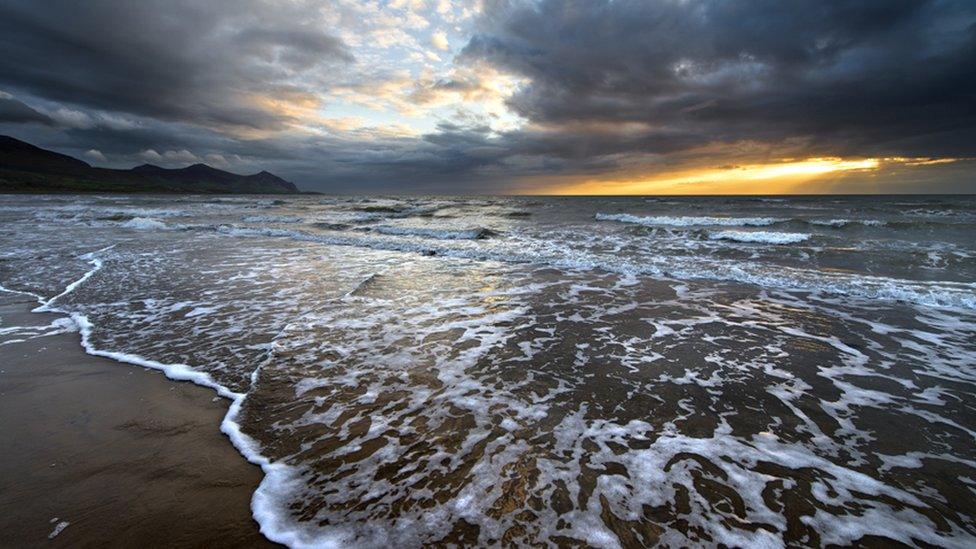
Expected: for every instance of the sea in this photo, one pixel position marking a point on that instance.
(542, 371)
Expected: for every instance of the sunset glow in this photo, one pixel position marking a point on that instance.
(779, 177)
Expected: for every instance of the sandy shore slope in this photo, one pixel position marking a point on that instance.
(100, 453)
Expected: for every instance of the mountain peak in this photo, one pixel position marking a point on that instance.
(200, 167)
(268, 178)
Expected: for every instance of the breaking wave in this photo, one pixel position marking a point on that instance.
(837, 223)
(442, 234)
(690, 221)
(272, 219)
(144, 224)
(760, 237)
(930, 293)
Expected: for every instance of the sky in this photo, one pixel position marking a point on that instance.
(507, 96)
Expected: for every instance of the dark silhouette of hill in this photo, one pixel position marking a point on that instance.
(26, 168)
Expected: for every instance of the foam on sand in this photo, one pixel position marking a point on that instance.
(280, 480)
(58, 528)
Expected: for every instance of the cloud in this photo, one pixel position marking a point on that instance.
(357, 96)
(70, 118)
(439, 41)
(860, 76)
(204, 63)
(151, 156)
(175, 158)
(95, 154)
(16, 112)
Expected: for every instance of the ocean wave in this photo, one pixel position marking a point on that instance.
(900, 223)
(83, 212)
(927, 293)
(379, 209)
(909, 224)
(690, 221)
(930, 212)
(834, 223)
(760, 237)
(476, 233)
(838, 223)
(327, 226)
(373, 213)
(273, 219)
(144, 224)
(919, 292)
(122, 210)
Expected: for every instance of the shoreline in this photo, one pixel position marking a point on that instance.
(100, 452)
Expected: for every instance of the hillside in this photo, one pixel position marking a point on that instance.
(27, 168)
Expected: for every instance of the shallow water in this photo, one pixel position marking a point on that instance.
(604, 372)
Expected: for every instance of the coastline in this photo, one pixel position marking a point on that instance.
(98, 452)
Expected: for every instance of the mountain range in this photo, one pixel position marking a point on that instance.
(27, 168)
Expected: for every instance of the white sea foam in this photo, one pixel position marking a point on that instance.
(280, 481)
(58, 528)
(144, 224)
(830, 222)
(763, 237)
(689, 221)
(145, 212)
(201, 311)
(837, 223)
(367, 338)
(116, 210)
(19, 334)
(931, 293)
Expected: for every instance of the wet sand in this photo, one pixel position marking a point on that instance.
(123, 455)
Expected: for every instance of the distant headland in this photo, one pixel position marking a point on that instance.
(26, 168)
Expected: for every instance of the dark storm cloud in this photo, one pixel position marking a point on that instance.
(866, 77)
(16, 112)
(625, 85)
(197, 62)
(611, 82)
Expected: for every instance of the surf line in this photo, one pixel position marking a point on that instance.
(266, 502)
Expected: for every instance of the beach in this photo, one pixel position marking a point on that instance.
(99, 453)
